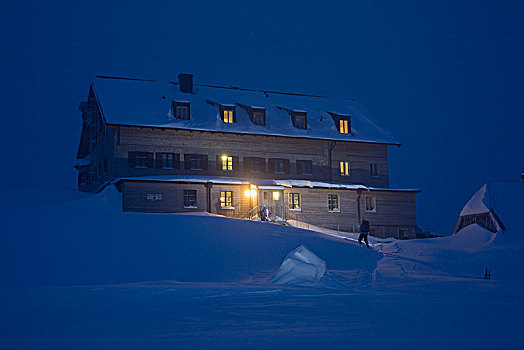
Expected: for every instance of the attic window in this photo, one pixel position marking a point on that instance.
(258, 116)
(299, 119)
(342, 122)
(228, 114)
(181, 110)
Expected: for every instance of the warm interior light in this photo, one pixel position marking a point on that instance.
(224, 158)
(276, 195)
(248, 193)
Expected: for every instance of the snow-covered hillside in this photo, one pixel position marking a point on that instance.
(78, 273)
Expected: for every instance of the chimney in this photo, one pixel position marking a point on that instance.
(185, 81)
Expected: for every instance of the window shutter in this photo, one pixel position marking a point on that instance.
(236, 164)
(158, 160)
(187, 161)
(219, 163)
(204, 161)
(286, 166)
(234, 115)
(271, 165)
(262, 164)
(176, 160)
(132, 159)
(221, 111)
(150, 160)
(299, 167)
(246, 161)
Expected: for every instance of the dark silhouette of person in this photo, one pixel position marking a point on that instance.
(364, 231)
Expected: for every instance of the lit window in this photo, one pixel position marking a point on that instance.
(371, 204)
(333, 202)
(344, 168)
(228, 116)
(227, 163)
(344, 126)
(226, 199)
(294, 201)
(373, 169)
(190, 198)
(276, 195)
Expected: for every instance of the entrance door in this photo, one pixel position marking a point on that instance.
(273, 200)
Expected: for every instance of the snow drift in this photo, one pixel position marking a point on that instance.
(300, 267)
(471, 250)
(63, 237)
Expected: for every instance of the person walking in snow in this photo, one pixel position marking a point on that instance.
(364, 231)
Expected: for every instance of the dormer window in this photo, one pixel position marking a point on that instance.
(228, 114)
(258, 116)
(342, 122)
(299, 119)
(181, 110)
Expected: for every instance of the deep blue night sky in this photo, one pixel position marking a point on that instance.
(444, 77)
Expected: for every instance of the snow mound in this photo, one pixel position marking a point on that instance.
(506, 200)
(300, 267)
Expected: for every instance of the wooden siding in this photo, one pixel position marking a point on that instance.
(211, 144)
(395, 210)
(135, 197)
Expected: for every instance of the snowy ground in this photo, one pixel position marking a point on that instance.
(79, 274)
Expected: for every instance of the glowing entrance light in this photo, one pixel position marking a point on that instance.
(276, 195)
(252, 191)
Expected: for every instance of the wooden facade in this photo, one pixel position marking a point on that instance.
(130, 154)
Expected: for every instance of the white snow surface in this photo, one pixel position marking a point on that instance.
(77, 273)
(143, 103)
(262, 183)
(300, 267)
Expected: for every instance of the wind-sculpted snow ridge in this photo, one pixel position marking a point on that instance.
(302, 267)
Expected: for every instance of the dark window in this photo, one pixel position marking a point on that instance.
(254, 164)
(371, 204)
(226, 199)
(266, 195)
(278, 166)
(181, 110)
(305, 167)
(373, 169)
(195, 162)
(299, 119)
(228, 114)
(333, 202)
(294, 201)
(105, 166)
(190, 198)
(167, 160)
(140, 159)
(258, 116)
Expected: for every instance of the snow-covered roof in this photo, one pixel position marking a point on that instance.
(149, 103)
(262, 183)
(505, 199)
